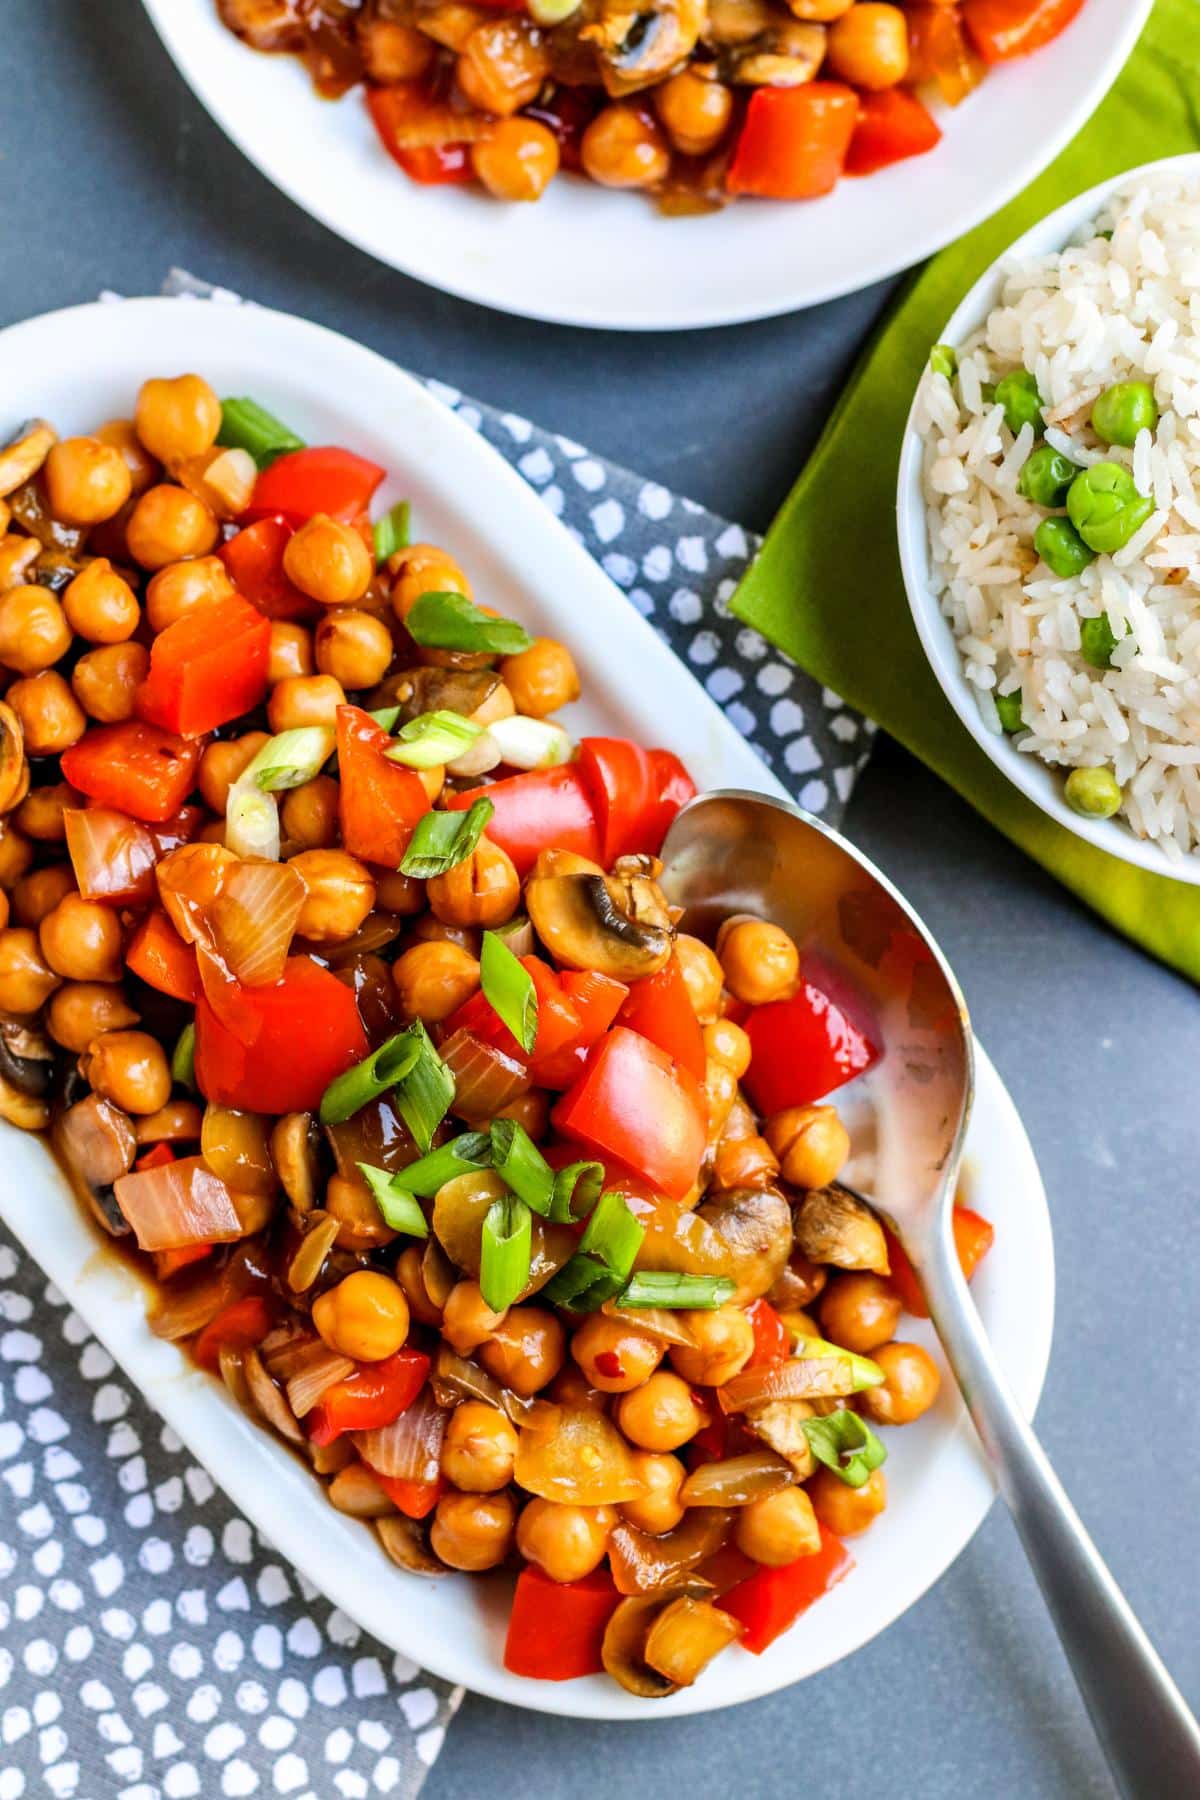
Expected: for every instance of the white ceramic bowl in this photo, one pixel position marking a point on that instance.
(1036, 780)
(588, 256)
(84, 365)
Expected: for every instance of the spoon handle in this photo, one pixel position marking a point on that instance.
(1151, 1739)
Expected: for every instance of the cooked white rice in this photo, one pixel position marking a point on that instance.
(1096, 313)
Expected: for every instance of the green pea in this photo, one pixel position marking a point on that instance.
(943, 360)
(1046, 477)
(1061, 548)
(1009, 708)
(1106, 508)
(1123, 410)
(1095, 793)
(1018, 395)
(1097, 641)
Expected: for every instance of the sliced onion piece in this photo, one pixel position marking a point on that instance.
(252, 821)
(737, 1481)
(577, 1456)
(113, 857)
(254, 919)
(642, 1564)
(410, 1448)
(268, 1399)
(317, 1368)
(179, 1311)
(96, 1140)
(685, 1636)
(798, 1378)
(232, 1365)
(178, 1204)
(485, 1079)
(656, 1321)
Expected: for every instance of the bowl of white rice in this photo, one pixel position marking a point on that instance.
(1049, 515)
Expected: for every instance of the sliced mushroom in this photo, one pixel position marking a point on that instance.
(269, 1401)
(834, 1226)
(22, 1109)
(26, 1055)
(787, 54)
(755, 1225)
(354, 1490)
(14, 770)
(294, 1153)
(406, 1544)
(31, 510)
(24, 454)
(96, 1143)
(477, 694)
(737, 21)
(616, 925)
(780, 1425)
(57, 569)
(638, 45)
(623, 1652)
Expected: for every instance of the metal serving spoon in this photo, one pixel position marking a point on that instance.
(734, 852)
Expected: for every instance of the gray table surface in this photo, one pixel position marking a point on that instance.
(110, 171)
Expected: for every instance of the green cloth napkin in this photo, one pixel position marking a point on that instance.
(826, 586)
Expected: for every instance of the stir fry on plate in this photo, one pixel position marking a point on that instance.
(695, 101)
(340, 974)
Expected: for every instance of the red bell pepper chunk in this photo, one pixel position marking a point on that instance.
(135, 768)
(416, 1499)
(156, 1158)
(771, 1340)
(158, 956)
(556, 1628)
(375, 1395)
(892, 125)
(254, 563)
(396, 112)
(543, 809)
(805, 1047)
(558, 1023)
(324, 479)
(596, 1000)
(637, 1104)
(239, 1326)
(207, 668)
(168, 1263)
(292, 1040)
(379, 802)
(771, 1600)
(660, 1008)
(938, 52)
(794, 141)
(635, 793)
(973, 1238)
(675, 788)
(1002, 29)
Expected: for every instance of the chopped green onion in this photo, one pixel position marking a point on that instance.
(245, 425)
(583, 1285)
(434, 738)
(602, 1265)
(508, 989)
(505, 1251)
(943, 360)
(385, 716)
(464, 1155)
(391, 532)
(424, 1092)
(349, 1093)
(531, 743)
(251, 821)
(576, 1191)
(444, 839)
(845, 1443)
(863, 1371)
(440, 621)
(696, 1293)
(397, 1207)
(521, 1165)
(290, 759)
(183, 1057)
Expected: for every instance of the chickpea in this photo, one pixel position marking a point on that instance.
(517, 160)
(703, 977)
(566, 1542)
(659, 1508)
(525, 1350)
(353, 646)
(571, 1387)
(720, 1095)
(129, 1068)
(799, 1324)
(222, 763)
(81, 939)
(180, 587)
(338, 895)
(365, 1316)
(177, 417)
(811, 1143)
(144, 470)
(4, 910)
(778, 1529)
(542, 678)
(479, 1449)
(410, 1274)
(236, 1146)
(393, 52)
(104, 681)
(531, 1110)
(82, 1011)
(308, 814)
(39, 892)
(328, 561)
(100, 605)
(467, 1319)
(747, 1162)
(33, 630)
(868, 46)
(502, 66)
(723, 1345)
(396, 893)
(484, 889)
(433, 980)
(727, 1043)
(909, 1388)
(16, 854)
(169, 525)
(304, 700)
(86, 481)
(473, 1531)
(622, 148)
(695, 112)
(179, 1121)
(614, 1356)
(40, 814)
(859, 1311)
(291, 651)
(17, 557)
(26, 979)
(760, 961)
(846, 1511)
(351, 1202)
(819, 12)
(428, 930)
(51, 717)
(661, 1414)
(424, 569)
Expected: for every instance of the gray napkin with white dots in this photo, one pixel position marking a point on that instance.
(152, 1645)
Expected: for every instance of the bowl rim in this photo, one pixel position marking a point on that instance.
(1035, 779)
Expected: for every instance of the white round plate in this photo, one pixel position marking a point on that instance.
(588, 256)
(1036, 779)
(85, 365)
